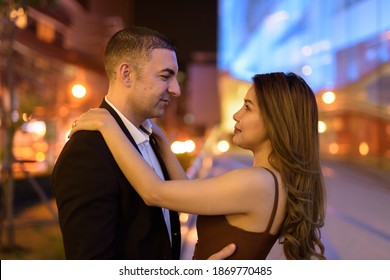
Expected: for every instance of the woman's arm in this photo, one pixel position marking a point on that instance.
(174, 167)
(224, 194)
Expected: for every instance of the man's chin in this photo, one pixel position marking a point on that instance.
(158, 114)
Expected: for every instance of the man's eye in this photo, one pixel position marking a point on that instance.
(247, 107)
(165, 77)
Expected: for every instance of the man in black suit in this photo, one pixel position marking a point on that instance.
(101, 216)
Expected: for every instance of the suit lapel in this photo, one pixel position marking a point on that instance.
(156, 151)
(118, 119)
(173, 215)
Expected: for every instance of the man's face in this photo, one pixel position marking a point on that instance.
(156, 84)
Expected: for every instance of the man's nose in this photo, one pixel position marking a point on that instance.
(174, 88)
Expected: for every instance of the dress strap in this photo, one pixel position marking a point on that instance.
(276, 200)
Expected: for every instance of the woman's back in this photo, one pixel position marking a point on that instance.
(215, 232)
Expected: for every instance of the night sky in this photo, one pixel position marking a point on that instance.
(192, 25)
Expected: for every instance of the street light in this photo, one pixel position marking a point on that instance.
(321, 127)
(223, 146)
(19, 17)
(79, 91)
(328, 97)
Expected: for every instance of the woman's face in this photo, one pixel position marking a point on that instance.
(250, 132)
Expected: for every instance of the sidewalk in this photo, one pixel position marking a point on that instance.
(36, 236)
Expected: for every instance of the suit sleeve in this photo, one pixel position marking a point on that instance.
(87, 194)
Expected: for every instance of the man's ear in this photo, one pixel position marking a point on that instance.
(125, 73)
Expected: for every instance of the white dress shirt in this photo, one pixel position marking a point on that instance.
(141, 138)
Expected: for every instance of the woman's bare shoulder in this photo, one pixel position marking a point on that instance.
(254, 177)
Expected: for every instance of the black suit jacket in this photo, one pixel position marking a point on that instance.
(100, 214)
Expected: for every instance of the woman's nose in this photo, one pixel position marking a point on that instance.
(235, 116)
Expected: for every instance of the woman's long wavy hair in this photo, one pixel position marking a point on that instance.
(290, 115)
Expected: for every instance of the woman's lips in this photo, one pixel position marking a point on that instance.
(236, 130)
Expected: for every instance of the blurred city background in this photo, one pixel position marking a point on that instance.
(52, 71)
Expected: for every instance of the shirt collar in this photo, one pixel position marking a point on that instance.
(138, 135)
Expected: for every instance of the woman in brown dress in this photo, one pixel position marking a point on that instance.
(280, 197)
